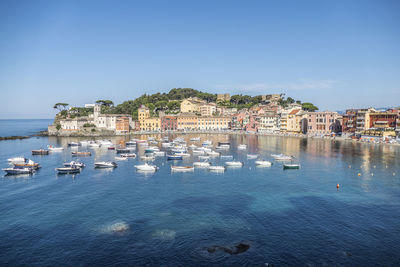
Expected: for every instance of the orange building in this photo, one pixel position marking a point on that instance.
(122, 125)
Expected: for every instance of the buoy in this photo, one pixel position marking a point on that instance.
(349, 166)
(394, 174)
(337, 186)
(359, 174)
(372, 174)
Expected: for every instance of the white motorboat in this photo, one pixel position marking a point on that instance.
(93, 144)
(226, 157)
(130, 143)
(204, 157)
(263, 163)
(198, 152)
(182, 154)
(83, 143)
(217, 168)
(68, 170)
(146, 167)
(166, 144)
(73, 144)
(192, 146)
(182, 168)
(213, 154)
(281, 157)
(234, 163)
(242, 147)
(159, 153)
(252, 156)
(207, 143)
(223, 147)
(17, 170)
(201, 164)
(105, 164)
(195, 139)
(121, 158)
(17, 160)
(106, 143)
(54, 149)
(74, 163)
(128, 155)
(147, 158)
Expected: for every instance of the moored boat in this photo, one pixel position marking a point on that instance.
(291, 166)
(174, 157)
(122, 150)
(252, 156)
(182, 168)
(73, 144)
(54, 149)
(242, 147)
(201, 164)
(68, 170)
(226, 157)
(17, 170)
(146, 158)
(263, 163)
(74, 163)
(146, 167)
(195, 139)
(105, 164)
(159, 153)
(40, 152)
(28, 164)
(120, 158)
(204, 157)
(128, 155)
(17, 160)
(281, 157)
(234, 163)
(217, 168)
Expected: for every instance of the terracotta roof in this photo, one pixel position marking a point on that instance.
(294, 111)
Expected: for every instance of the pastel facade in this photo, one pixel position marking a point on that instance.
(122, 125)
(191, 105)
(321, 122)
(294, 121)
(214, 123)
(268, 123)
(187, 122)
(151, 124)
(208, 109)
(169, 123)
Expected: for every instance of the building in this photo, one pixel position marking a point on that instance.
(294, 121)
(143, 113)
(191, 105)
(106, 121)
(74, 124)
(349, 121)
(271, 98)
(362, 119)
(223, 97)
(283, 116)
(382, 120)
(208, 109)
(268, 123)
(122, 125)
(214, 123)
(187, 122)
(322, 123)
(169, 123)
(151, 124)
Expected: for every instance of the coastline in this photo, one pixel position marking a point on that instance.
(230, 132)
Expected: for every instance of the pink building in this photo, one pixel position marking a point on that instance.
(324, 122)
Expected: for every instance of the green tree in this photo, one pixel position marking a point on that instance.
(107, 103)
(309, 107)
(60, 106)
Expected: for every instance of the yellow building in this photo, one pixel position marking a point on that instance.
(188, 121)
(214, 123)
(151, 124)
(294, 121)
(143, 113)
(208, 109)
(191, 105)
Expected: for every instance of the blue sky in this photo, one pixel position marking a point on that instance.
(336, 54)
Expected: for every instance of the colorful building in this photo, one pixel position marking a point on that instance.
(214, 123)
(208, 109)
(151, 124)
(169, 123)
(122, 125)
(191, 105)
(268, 123)
(322, 122)
(294, 120)
(187, 121)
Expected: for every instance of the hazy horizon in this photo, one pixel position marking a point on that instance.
(335, 54)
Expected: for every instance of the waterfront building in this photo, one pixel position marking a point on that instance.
(169, 123)
(294, 120)
(283, 120)
(268, 123)
(349, 121)
(214, 123)
(122, 125)
(187, 121)
(252, 124)
(322, 123)
(382, 120)
(208, 109)
(75, 124)
(362, 119)
(151, 124)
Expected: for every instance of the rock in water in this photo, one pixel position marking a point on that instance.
(237, 249)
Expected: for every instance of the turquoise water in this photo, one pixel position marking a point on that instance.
(289, 218)
(23, 127)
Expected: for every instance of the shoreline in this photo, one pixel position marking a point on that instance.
(334, 138)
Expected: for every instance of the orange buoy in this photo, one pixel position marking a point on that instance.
(359, 174)
(337, 186)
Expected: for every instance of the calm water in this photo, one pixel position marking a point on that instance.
(289, 218)
(23, 127)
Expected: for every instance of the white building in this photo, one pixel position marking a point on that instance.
(269, 123)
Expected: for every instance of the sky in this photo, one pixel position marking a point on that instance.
(335, 54)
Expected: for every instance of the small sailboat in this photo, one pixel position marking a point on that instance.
(182, 168)
(105, 164)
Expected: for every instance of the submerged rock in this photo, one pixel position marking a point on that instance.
(237, 249)
(118, 227)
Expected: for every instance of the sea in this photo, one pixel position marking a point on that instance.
(248, 216)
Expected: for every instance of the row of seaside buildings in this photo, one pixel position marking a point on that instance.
(268, 117)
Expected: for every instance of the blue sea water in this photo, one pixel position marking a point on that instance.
(289, 218)
(23, 127)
